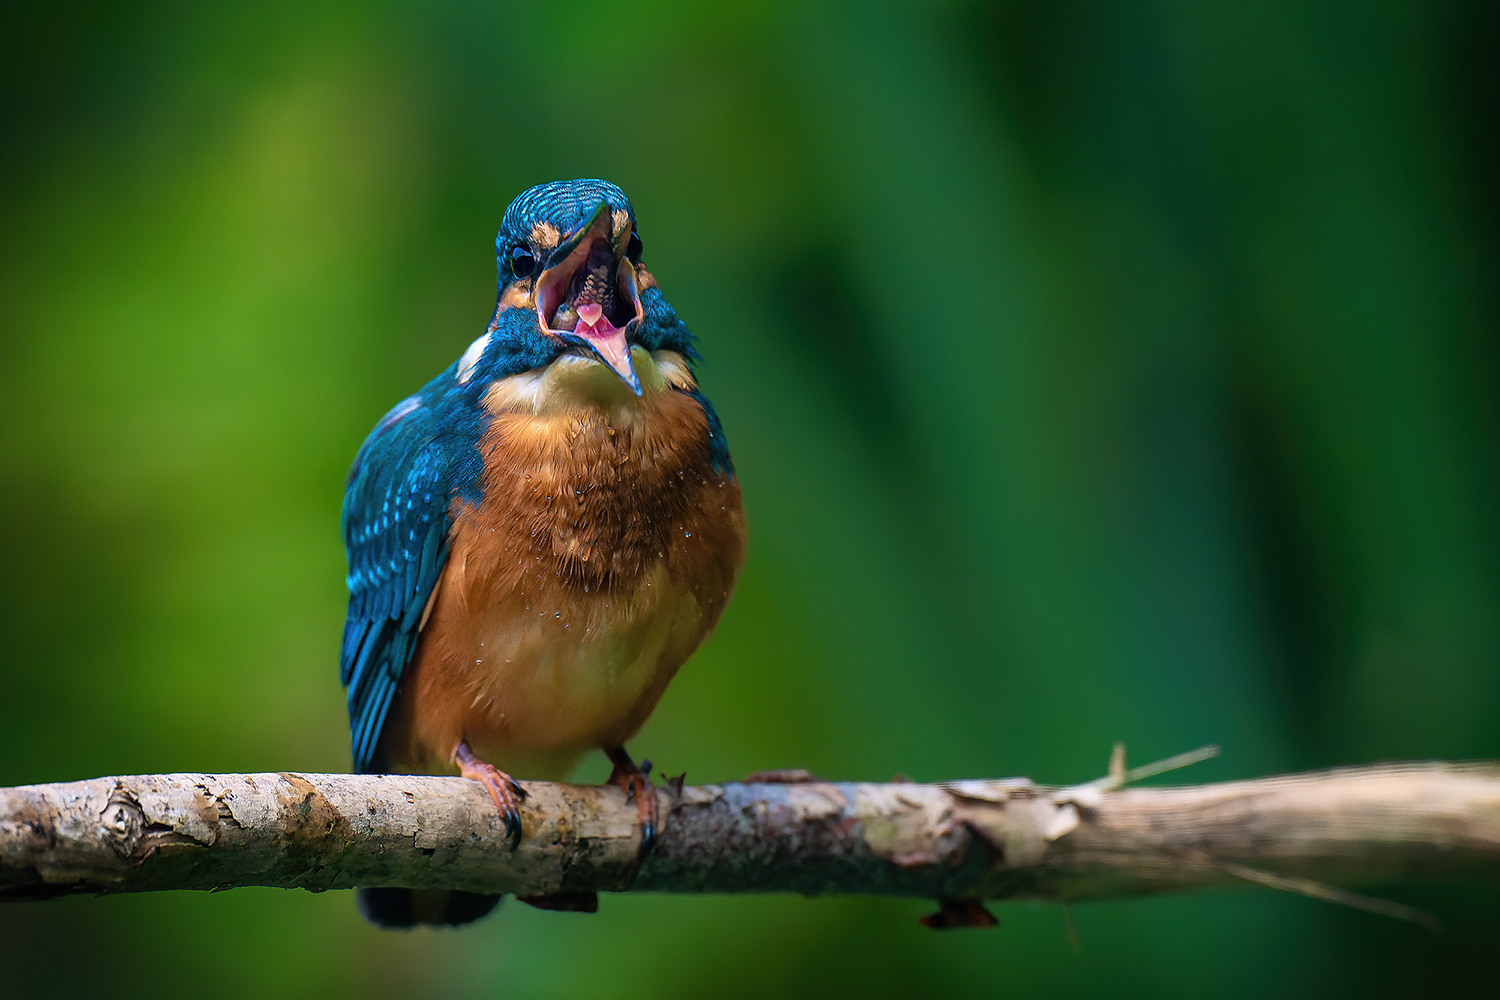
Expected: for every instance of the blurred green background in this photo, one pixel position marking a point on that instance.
(1094, 371)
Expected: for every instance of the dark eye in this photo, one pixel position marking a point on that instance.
(633, 248)
(522, 263)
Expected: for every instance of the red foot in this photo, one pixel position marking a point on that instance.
(637, 784)
(502, 788)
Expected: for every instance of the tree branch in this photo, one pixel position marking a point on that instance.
(1005, 839)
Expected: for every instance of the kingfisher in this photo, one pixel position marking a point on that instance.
(541, 535)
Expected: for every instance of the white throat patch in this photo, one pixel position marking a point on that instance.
(471, 358)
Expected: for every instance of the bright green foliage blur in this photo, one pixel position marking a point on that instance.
(1093, 370)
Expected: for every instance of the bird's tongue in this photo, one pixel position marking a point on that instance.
(589, 315)
(605, 338)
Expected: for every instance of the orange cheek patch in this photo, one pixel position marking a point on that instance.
(545, 235)
(517, 296)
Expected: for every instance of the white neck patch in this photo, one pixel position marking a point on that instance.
(471, 358)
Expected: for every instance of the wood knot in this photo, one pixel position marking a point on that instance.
(123, 822)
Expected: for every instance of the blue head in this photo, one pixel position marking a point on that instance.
(571, 281)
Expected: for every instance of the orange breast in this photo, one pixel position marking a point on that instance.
(602, 554)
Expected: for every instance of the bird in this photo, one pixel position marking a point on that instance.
(540, 536)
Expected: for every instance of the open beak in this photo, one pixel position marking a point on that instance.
(587, 296)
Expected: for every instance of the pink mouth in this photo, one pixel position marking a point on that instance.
(593, 248)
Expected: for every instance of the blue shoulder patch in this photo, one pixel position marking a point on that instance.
(396, 524)
(718, 445)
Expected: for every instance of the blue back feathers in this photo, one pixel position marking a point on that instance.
(425, 452)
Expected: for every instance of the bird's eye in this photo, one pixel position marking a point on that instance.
(633, 248)
(522, 263)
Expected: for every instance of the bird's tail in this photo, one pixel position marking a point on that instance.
(403, 909)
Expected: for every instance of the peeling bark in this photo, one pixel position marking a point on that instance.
(960, 840)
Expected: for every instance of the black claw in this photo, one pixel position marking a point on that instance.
(513, 828)
(648, 841)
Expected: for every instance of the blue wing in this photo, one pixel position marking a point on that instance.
(396, 530)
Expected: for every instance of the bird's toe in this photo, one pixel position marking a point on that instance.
(504, 789)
